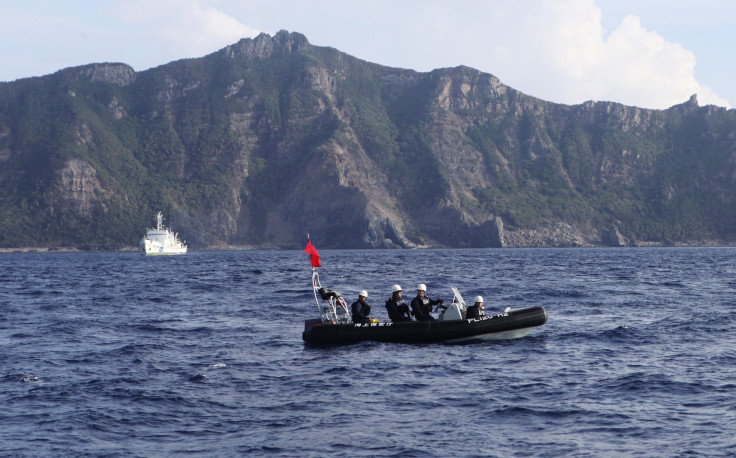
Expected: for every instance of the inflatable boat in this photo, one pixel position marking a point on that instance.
(507, 325)
(335, 325)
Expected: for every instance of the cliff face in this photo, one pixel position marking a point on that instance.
(271, 138)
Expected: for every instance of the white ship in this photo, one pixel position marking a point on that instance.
(162, 240)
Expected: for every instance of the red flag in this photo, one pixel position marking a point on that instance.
(313, 254)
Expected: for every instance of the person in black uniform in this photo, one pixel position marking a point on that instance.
(361, 309)
(396, 307)
(476, 310)
(422, 304)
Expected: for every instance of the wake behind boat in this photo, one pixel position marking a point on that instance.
(336, 326)
(162, 240)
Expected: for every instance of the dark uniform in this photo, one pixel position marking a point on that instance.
(397, 309)
(361, 310)
(474, 312)
(422, 306)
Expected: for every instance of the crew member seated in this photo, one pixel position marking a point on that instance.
(397, 309)
(422, 304)
(361, 309)
(476, 310)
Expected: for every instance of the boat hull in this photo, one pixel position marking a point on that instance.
(514, 324)
(154, 249)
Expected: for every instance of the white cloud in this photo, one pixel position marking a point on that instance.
(182, 28)
(641, 65)
(202, 29)
(558, 51)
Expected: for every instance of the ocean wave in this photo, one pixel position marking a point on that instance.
(633, 359)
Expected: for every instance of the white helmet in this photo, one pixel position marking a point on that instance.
(422, 287)
(395, 288)
(363, 293)
(478, 298)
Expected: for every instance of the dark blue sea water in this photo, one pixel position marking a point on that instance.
(116, 354)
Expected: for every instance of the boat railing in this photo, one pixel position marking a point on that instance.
(332, 307)
(457, 297)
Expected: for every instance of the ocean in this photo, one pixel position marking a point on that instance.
(118, 354)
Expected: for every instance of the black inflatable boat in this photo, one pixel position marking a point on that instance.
(335, 324)
(508, 325)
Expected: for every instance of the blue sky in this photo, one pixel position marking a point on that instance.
(646, 53)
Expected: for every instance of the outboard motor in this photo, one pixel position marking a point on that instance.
(336, 309)
(327, 293)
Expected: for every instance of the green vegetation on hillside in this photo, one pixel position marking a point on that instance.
(251, 145)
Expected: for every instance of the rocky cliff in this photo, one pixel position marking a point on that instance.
(272, 137)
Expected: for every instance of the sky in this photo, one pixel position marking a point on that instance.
(645, 53)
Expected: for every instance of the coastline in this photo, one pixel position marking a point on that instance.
(640, 244)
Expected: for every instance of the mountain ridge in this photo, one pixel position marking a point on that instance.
(272, 137)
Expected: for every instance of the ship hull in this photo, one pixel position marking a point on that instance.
(152, 248)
